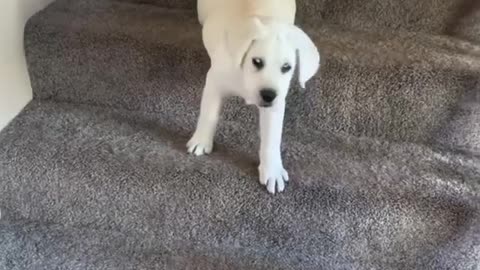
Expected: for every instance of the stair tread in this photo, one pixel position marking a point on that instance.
(28, 244)
(397, 86)
(159, 26)
(87, 166)
(451, 17)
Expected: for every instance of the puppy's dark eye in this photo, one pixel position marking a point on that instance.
(257, 62)
(286, 68)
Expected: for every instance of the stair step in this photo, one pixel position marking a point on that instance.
(175, 4)
(427, 16)
(116, 170)
(44, 246)
(399, 87)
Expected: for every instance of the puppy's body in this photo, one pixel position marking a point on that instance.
(252, 46)
(283, 10)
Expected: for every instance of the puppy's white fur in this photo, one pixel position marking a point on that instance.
(238, 34)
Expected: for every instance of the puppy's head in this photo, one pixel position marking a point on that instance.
(266, 54)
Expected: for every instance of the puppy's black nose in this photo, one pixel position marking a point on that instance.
(268, 95)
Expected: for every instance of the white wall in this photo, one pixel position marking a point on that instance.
(15, 89)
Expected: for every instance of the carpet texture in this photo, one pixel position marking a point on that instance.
(383, 148)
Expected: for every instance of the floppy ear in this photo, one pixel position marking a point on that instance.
(240, 36)
(309, 57)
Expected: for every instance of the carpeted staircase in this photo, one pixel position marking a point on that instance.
(383, 148)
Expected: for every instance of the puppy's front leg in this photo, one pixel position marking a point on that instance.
(272, 173)
(211, 103)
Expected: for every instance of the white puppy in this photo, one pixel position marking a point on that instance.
(252, 45)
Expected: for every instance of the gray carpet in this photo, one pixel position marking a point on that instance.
(383, 148)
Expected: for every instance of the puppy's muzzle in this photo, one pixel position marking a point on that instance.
(268, 95)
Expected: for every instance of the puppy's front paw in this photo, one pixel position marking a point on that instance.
(274, 177)
(200, 145)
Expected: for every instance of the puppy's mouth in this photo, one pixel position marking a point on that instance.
(261, 104)
(265, 105)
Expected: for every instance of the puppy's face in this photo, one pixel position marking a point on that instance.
(266, 54)
(268, 69)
